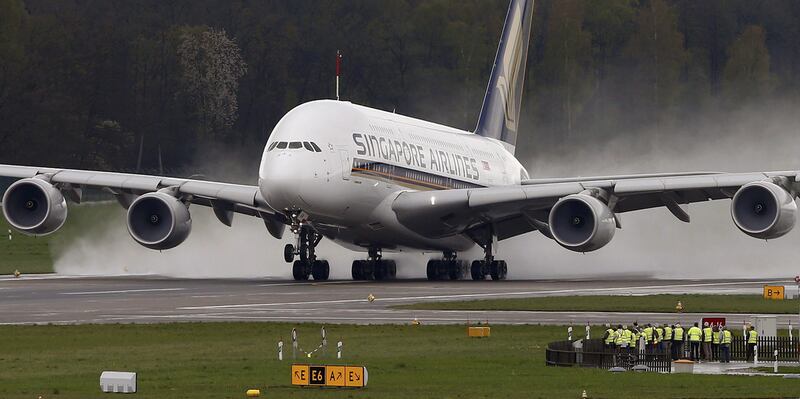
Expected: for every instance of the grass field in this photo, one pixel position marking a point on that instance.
(222, 360)
(34, 254)
(647, 303)
(781, 369)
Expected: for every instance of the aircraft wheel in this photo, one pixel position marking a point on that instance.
(391, 269)
(477, 270)
(300, 270)
(499, 270)
(357, 270)
(432, 269)
(288, 253)
(321, 270)
(454, 269)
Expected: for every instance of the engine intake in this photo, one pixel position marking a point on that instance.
(34, 206)
(763, 210)
(582, 223)
(159, 221)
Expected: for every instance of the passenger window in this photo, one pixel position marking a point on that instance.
(308, 146)
(272, 146)
(282, 145)
(295, 145)
(316, 148)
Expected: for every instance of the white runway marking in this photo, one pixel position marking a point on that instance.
(313, 283)
(480, 295)
(122, 291)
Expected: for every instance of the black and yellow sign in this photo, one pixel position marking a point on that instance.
(330, 376)
(774, 292)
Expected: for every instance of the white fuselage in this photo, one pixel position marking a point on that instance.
(341, 166)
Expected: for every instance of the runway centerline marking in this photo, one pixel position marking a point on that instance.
(488, 294)
(122, 291)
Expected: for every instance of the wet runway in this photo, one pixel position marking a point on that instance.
(150, 299)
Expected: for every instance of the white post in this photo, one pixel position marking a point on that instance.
(9, 237)
(324, 341)
(755, 355)
(280, 350)
(775, 365)
(294, 343)
(339, 350)
(588, 331)
(569, 333)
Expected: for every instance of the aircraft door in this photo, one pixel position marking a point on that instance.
(347, 164)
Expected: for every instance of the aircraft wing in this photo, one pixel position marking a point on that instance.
(224, 198)
(506, 211)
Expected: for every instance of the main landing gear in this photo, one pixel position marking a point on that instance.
(447, 268)
(489, 266)
(308, 264)
(374, 268)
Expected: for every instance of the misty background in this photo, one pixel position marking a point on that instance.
(613, 87)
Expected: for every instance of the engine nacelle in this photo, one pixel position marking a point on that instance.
(34, 206)
(159, 221)
(763, 210)
(582, 223)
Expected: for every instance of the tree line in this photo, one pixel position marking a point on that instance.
(150, 84)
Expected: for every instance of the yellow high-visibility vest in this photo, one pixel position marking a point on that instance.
(707, 334)
(715, 337)
(753, 337)
(668, 333)
(619, 337)
(634, 339)
(727, 337)
(659, 335)
(612, 336)
(695, 334)
(678, 334)
(648, 334)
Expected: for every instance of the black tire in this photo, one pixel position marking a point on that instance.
(368, 269)
(357, 270)
(494, 270)
(391, 269)
(477, 270)
(288, 253)
(379, 269)
(431, 269)
(502, 269)
(453, 269)
(320, 270)
(300, 270)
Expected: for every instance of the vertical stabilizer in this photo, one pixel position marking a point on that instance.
(499, 117)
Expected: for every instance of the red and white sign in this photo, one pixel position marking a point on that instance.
(714, 321)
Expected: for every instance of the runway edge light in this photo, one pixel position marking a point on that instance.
(253, 393)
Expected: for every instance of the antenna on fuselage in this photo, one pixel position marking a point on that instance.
(338, 71)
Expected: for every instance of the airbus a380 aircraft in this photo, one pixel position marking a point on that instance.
(373, 180)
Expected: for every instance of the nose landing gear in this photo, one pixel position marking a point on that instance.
(374, 268)
(308, 265)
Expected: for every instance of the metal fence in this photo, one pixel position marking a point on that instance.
(594, 354)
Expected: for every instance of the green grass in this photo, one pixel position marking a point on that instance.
(695, 303)
(222, 360)
(34, 254)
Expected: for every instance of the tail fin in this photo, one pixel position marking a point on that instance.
(499, 117)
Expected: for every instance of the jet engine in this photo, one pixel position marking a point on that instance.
(582, 223)
(34, 206)
(159, 221)
(763, 210)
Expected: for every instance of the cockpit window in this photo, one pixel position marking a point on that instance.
(308, 146)
(295, 145)
(272, 146)
(316, 147)
(282, 145)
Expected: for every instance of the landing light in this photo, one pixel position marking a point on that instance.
(433, 200)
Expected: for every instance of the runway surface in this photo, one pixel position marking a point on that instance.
(149, 299)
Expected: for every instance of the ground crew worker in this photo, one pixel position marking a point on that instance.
(619, 340)
(628, 338)
(666, 345)
(707, 332)
(752, 341)
(715, 340)
(609, 338)
(648, 337)
(677, 342)
(659, 337)
(695, 335)
(725, 344)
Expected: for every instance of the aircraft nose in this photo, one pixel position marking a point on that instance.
(279, 183)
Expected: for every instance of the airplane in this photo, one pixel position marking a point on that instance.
(372, 180)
